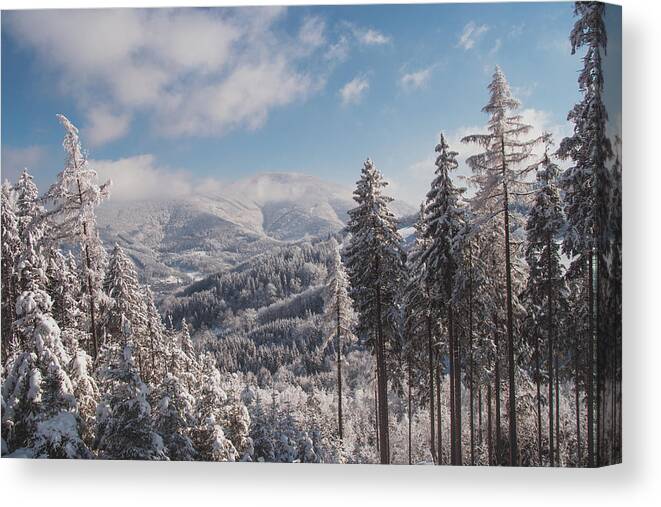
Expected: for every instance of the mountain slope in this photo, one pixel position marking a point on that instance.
(175, 241)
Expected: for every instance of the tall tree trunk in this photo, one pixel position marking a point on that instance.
(409, 406)
(489, 425)
(577, 400)
(453, 401)
(376, 410)
(382, 381)
(479, 416)
(432, 415)
(514, 451)
(439, 436)
(440, 424)
(589, 376)
(339, 374)
(470, 352)
(457, 384)
(538, 383)
(550, 402)
(557, 412)
(497, 397)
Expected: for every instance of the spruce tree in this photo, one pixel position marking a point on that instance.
(546, 292)
(375, 263)
(586, 186)
(338, 310)
(74, 196)
(500, 174)
(11, 245)
(125, 429)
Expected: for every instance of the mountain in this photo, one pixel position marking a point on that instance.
(176, 241)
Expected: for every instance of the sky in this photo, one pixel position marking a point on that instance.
(173, 101)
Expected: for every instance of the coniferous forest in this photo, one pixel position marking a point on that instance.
(491, 335)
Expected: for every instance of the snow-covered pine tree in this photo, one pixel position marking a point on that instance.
(444, 221)
(174, 417)
(11, 245)
(546, 291)
(500, 174)
(339, 315)
(208, 434)
(586, 194)
(419, 337)
(41, 412)
(74, 196)
(156, 341)
(375, 263)
(126, 304)
(63, 288)
(125, 429)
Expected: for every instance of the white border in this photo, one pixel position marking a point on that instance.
(636, 482)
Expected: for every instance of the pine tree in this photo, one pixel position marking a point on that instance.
(546, 291)
(41, 411)
(375, 263)
(174, 418)
(126, 305)
(75, 195)
(338, 312)
(500, 175)
(586, 190)
(444, 220)
(124, 419)
(421, 340)
(11, 244)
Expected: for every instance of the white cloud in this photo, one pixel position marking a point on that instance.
(139, 178)
(104, 126)
(14, 160)
(312, 31)
(353, 91)
(339, 50)
(190, 71)
(495, 48)
(471, 34)
(416, 80)
(371, 37)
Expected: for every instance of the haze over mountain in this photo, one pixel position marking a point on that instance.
(177, 240)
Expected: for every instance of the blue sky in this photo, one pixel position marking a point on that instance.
(204, 96)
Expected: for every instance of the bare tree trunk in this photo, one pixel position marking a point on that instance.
(557, 412)
(440, 423)
(409, 407)
(550, 402)
(470, 352)
(453, 402)
(514, 452)
(376, 411)
(339, 374)
(577, 400)
(497, 396)
(489, 425)
(479, 415)
(439, 436)
(382, 382)
(589, 377)
(457, 383)
(538, 383)
(430, 353)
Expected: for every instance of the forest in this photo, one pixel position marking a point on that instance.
(492, 337)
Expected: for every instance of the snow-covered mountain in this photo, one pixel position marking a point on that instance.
(178, 240)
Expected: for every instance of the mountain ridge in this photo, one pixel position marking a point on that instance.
(177, 240)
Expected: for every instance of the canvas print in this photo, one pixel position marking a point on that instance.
(386, 234)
